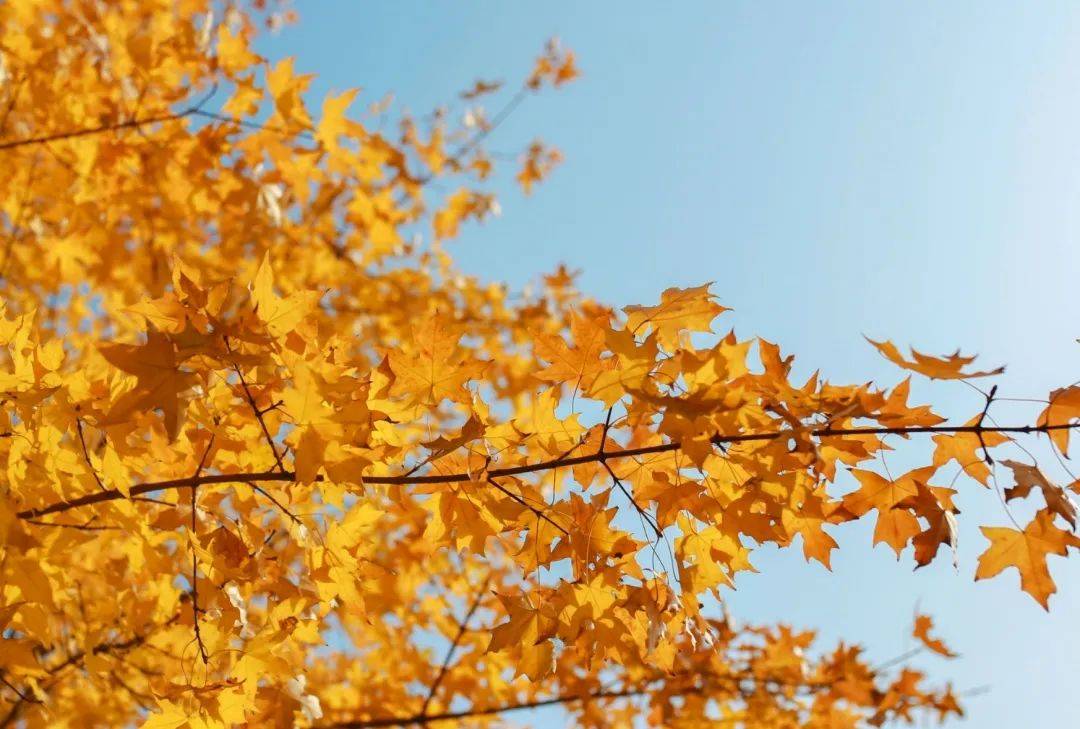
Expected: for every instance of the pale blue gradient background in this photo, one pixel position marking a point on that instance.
(905, 170)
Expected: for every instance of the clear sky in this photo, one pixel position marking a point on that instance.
(908, 171)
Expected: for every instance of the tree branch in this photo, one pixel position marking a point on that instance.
(520, 500)
(256, 411)
(698, 684)
(87, 527)
(979, 422)
(270, 497)
(288, 476)
(86, 454)
(194, 556)
(422, 719)
(76, 658)
(462, 627)
(116, 126)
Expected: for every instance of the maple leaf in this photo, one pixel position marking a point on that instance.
(280, 315)
(461, 516)
(528, 631)
(600, 540)
(934, 504)
(555, 66)
(923, 625)
(578, 364)
(287, 89)
(586, 605)
(966, 449)
(433, 367)
(245, 99)
(540, 420)
(1029, 477)
(481, 88)
(896, 525)
(938, 368)
(333, 122)
(233, 52)
(679, 310)
(896, 412)
(806, 518)
(462, 205)
(630, 371)
(1027, 551)
(1063, 408)
(709, 558)
(160, 381)
(538, 164)
(817, 543)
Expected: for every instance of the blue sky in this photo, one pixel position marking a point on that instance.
(907, 171)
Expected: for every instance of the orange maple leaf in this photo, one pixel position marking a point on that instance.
(939, 368)
(923, 625)
(1027, 551)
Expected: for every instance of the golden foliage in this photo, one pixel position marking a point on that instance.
(260, 436)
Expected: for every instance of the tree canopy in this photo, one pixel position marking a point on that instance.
(271, 458)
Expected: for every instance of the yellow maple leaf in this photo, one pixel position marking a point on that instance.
(159, 380)
(433, 367)
(280, 314)
(170, 716)
(286, 88)
(333, 122)
(679, 310)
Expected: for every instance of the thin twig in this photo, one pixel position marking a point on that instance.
(884, 665)
(76, 658)
(256, 411)
(87, 527)
(463, 626)
(457, 157)
(21, 693)
(127, 124)
(518, 499)
(195, 558)
(259, 490)
(86, 454)
(979, 422)
(421, 719)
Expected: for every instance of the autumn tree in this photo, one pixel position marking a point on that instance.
(270, 458)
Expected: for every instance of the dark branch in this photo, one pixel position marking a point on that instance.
(518, 499)
(258, 413)
(87, 527)
(979, 422)
(86, 454)
(287, 476)
(422, 719)
(116, 126)
(194, 556)
(463, 626)
(77, 658)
